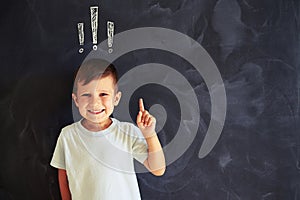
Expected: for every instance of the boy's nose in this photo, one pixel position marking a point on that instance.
(96, 102)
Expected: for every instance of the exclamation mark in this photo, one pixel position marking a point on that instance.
(94, 25)
(110, 35)
(80, 27)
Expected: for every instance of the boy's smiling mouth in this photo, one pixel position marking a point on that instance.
(96, 112)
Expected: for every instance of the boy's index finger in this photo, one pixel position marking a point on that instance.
(141, 105)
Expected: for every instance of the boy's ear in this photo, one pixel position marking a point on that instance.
(117, 98)
(74, 97)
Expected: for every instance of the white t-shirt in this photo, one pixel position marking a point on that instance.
(100, 164)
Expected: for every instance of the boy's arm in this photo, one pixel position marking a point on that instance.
(64, 185)
(155, 162)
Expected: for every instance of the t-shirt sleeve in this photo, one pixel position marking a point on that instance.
(139, 147)
(58, 158)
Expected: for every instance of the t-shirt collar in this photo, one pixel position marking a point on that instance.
(96, 133)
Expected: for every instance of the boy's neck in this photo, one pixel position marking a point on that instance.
(95, 127)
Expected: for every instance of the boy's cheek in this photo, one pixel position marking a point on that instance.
(107, 101)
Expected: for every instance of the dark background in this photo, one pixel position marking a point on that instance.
(254, 43)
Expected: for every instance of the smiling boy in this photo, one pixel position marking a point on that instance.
(95, 156)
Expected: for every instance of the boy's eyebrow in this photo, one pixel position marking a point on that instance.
(98, 90)
(106, 91)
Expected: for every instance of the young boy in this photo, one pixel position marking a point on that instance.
(94, 156)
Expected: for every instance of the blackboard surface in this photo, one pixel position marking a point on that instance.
(255, 45)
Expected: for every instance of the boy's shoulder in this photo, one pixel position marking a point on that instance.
(124, 123)
(68, 129)
(127, 127)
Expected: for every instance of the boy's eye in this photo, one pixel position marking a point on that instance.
(86, 95)
(103, 94)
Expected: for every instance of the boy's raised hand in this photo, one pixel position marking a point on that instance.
(145, 121)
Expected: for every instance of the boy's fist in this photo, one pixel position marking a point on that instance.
(145, 121)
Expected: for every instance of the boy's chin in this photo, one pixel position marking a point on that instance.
(100, 121)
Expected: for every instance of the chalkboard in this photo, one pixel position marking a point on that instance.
(254, 45)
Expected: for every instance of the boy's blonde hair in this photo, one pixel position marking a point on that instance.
(93, 69)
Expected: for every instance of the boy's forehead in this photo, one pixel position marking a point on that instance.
(102, 82)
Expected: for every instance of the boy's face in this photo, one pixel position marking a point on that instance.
(96, 101)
